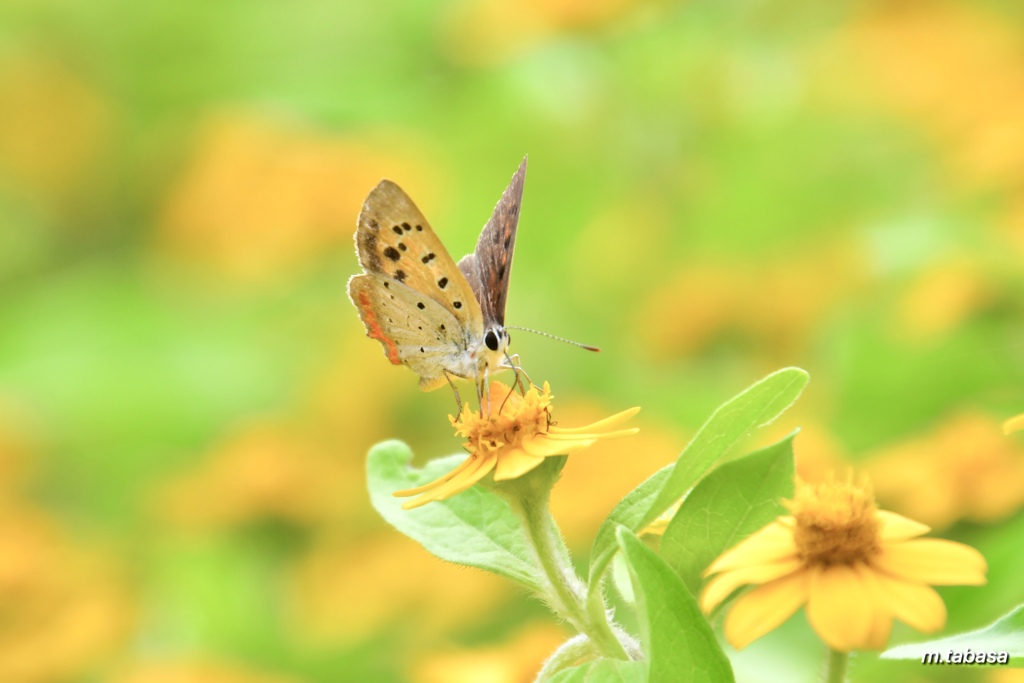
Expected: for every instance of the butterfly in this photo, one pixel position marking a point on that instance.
(440, 319)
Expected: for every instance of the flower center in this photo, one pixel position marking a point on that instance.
(518, 418)
(835, 522)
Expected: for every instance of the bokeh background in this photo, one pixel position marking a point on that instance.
(716, 189)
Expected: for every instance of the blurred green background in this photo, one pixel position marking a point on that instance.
(716, 189)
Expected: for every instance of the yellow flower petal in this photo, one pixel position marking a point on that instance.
(466, 478)
(881, 619)
(722, 586)
(898, 528)
(764, 608)
(915, 604)
(437, 482)
(543, 447)
(771, 544)
(606, 423)
(932, 560)
(840, 607)
(515, 463)
(555, 434)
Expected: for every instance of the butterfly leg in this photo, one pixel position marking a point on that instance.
(517, 382)
(455, 390)
(513, 363)
(484, 392)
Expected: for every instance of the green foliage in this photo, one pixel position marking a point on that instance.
(728, 505)
(518, 539)
(475, 528)
(677, 640)
(756, 406)
(1006, 634)
(603, 671)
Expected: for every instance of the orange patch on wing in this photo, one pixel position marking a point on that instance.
(375, 332)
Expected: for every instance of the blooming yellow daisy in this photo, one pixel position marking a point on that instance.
(512, 441)
(854, 566)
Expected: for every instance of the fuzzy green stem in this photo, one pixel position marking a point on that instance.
(570, 592)
(837, 662)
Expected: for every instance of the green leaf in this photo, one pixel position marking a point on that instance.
(475, 528)
(677, 639)
(603, 671)
(731, 503)
(621, 580)
(1006, 635)
(756, 406)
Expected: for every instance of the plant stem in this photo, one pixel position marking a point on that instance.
(837, 662)
(570, 598)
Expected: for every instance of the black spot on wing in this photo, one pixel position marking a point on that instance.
(396, 229)
(421, 305)
(407, 227)
(457, 304)
(368, 250)
(400, 275)
(401, 245)
(428, 258)
(442, 283)
(392, 253)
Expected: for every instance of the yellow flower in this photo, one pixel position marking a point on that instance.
(512, 441)
(1014, 424)
(855, 567)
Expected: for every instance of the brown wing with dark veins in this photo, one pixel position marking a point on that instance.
(487, 269)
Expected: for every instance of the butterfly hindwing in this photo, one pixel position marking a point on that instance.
(488, 268)
(393, 239)
(414, 329)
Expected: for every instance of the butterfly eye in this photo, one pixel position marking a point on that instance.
(491, 340)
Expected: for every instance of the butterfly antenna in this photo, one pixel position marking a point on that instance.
(555, 337)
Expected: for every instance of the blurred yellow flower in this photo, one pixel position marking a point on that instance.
(259, 197)
(197, 672)
(855, 567)
(942, 297)
(345, 592)
(65, 607)
(488, 32)
(52, 126)
(515, 661)
(999, 674)
(955, 68)
(512, 440)
(263, 471)
(1014, 424)
(964, 469)
(952, 70)
(776, 304)
(586, 494)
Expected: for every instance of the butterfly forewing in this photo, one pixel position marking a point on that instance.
(488, 268)
(393, 239)
(413, 329)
